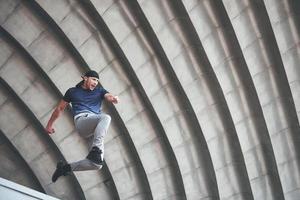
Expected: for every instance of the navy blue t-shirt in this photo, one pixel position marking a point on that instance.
(83, 100)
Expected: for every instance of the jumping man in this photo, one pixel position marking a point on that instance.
(86, 98)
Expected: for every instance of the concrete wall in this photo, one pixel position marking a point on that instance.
(13, 191)
(209, 96)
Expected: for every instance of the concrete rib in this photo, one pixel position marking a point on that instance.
(175, 89)
(285, 21)
(209, 90)
(232, 64)
(52, 151)
(115, 114)
(171, 164)
(269, 77)
(20, 172)
(57, 92)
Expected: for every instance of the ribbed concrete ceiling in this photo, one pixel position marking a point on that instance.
(209, 89)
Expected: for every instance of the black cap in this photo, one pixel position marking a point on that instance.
(91, 73)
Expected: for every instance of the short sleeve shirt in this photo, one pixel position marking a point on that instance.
(84, 100)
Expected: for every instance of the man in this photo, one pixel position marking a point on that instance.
(86, 99)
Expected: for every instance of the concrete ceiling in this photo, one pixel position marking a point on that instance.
(209, 89)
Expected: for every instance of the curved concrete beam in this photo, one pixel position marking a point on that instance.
(256, 38)
(240, 94)
(201, 85)
(62, 140)
(27, 136)
(13, 167)
(137, 185)
(163, 167)
(285, 20)
(231, 64)
(179, 115)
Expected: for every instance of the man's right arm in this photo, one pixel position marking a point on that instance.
(56, 113)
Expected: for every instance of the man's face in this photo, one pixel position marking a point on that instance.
(90, 82)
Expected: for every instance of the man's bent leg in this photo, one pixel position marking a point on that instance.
(100, 132)
(65, 169)
(99, 125)
(84, 165)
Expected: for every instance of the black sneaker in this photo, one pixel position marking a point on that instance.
(61, 170)
(95, 156)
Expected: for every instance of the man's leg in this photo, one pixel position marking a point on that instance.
(100, 132)
(95, 157)
(96, 154)
(85, 126)
(84, 165)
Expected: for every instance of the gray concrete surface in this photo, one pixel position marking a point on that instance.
(209, 96)
(14, 168)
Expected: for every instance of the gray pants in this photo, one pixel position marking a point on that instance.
(93, 127)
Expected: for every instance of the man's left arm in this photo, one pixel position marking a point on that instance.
(111, 98)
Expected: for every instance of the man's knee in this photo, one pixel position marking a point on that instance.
(106, 117)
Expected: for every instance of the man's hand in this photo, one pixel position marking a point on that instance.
(49, 130)
(111, 98)
(56, 113)
(115, 100)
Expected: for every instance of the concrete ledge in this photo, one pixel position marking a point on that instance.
(12, 191)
